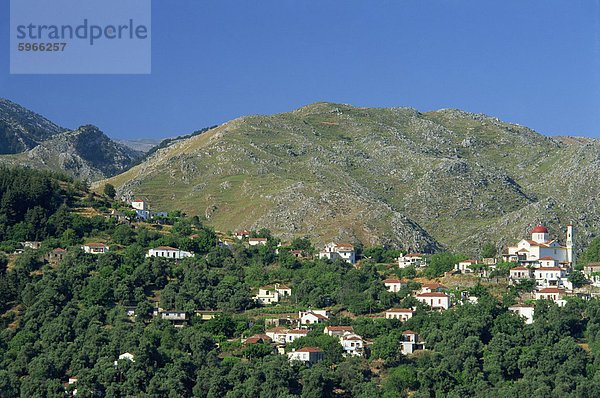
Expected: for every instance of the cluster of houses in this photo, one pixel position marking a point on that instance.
(287, 330)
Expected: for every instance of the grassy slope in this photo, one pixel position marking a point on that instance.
(453, 173)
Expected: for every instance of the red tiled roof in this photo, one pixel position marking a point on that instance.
(344, 245)
(279, 329)
(409, 332)
(548, 258)
(165, 248)
(252, 340)
(432, 294)
(58, 249)
(393, 280)
(401, 310)
(469, 261)
(299, 331)
(433, 286)
(540, 229)
(519, 269)
(310, 349)
(258, 239)
(96, 245)
(549, 269)
(551, 290)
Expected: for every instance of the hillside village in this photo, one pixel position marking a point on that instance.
(258, 298)
(539, 259)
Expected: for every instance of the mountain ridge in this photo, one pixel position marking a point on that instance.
(393, 176)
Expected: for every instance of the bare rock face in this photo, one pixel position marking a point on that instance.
(446, 179)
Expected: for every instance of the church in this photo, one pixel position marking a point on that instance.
(540, 251)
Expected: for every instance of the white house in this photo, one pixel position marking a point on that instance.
(278, 334)
(352, 344)
(525, 311)
(393, 285)
(553, 294)
(139, 205)
(177, 318)
(128, 356)
(313, 316)
(551, 277)
(410, 342)
(272, 294)
(310, 355)
(338, 330)
(267, 295)
(416, 259)
(95, 248)
(432, 287)
(435, 300)
(592, 272)
(257, 241)
(404, 314)
(548, 262)
(344, 251)
(283, 290)
(168, 252)
(464, 266)
(529, 252)
(517, 273)
(310, 318)
(294, 334)
(242, 234)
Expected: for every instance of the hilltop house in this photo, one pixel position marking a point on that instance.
(553, 294)
(464, 266)
(411, 342)
(95, 248)
(404, 314)
(278, 334)
(334, 250)
(540, 249)
(142, 211)
(168, 252)
(352, 344)
(257, 241)
(435, 300)
(242, 234)
(394, 285)
(551, 277)
(419, 260)
(272, 294)
(432, 287)
(313, 316)
(525, 311)
(338, 331)
(309, 355)
(592, 272)
(177, 318)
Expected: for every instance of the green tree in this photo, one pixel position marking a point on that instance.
(110, 191)
(577, 278)
(489, 250)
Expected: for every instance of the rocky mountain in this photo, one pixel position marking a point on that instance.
(420, 180)
(30, 140)
(22, 129)
(140, 145)
(85, 153)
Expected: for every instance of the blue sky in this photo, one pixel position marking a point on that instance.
(535, 63)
